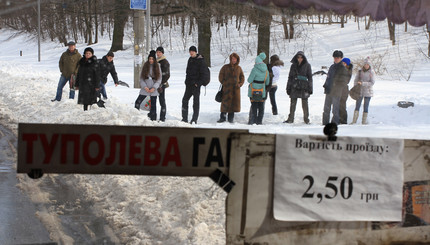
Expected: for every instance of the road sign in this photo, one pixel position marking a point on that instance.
(138, 4)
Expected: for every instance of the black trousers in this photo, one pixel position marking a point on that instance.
(194, 91)
(162, 98)
(272, 93)
(256, 114)
(153, 111)
(343, 114)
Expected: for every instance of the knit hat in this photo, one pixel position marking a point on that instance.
(89, 49)
(367, 61)
(152, 54)
(347, 61)
(110, 53)
(262, 56)
(337, 53)
(193, 48)
(161, 49)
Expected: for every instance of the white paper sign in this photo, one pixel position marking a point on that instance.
(351, 179)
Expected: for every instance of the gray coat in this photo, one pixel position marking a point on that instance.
(150, 83)
(367, 79)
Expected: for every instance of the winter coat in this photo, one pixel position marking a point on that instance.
(87, 80)
(367, 79)
(69, 63)
(276, 73)
(231, 77)
(150, 83)
(337, 78)
(196, 69)
(259, 73)
(107, 67)
(295, 88)
(165, 69)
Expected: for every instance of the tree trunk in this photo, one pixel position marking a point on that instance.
(285, 25)
(291, 24)
(264, 20)
(391, 29)
(204, 31)
(120, 19)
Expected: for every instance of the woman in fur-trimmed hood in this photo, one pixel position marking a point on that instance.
(231, 77)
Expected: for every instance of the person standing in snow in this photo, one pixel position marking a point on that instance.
(343, 114)
(334, 83)
(88, 79)
(365, 78)
(274, 68)
(258, 80)
(196, 71)
(165, 75)
(232, 79)
(68, 65)
(107, 66)
(299, 85)
(150, 81)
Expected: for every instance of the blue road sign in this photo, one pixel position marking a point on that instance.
(138, 4)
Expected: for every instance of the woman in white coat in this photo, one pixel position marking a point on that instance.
(150, 80)
(365, 78)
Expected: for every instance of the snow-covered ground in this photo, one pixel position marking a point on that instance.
(174, 210)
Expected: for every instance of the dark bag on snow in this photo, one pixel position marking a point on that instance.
(218, 96)
(355, 92)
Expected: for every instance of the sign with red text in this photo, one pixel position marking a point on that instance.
(99, 149)
(350, 179)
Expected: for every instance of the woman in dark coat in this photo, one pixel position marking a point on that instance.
(88, 79)
(231, 77)
(343, 114)
(299, 85)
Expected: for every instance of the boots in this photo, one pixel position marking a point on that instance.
(364, 119)
(354, 119)
(222, 117)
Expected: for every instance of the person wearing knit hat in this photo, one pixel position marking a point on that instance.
(258, 80)
(165, 71)
(88, 79)
(197, 71)
(150, 81)
(107, 66)
(365, 78)
(68, 67)
(343, 114)
(333, 86)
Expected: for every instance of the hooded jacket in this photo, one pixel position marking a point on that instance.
(259, 73)
(296, 89)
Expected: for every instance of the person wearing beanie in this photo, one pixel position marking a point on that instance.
(107, 66)
(88, 79)
(258, 79)
(337, 78)
(365, 78)
(68, 65)
(299, 85)
(150, 81)
(165, 75)
(343, 114)
(196, 70)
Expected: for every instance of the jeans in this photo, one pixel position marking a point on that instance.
(272, 93)
(61, 84)
(191, 90)
(366, 104)
(153, 111)
(162, 98)
(328, 103)
(256, 114)
(103, 90)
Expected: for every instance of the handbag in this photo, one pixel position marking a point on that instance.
(355, 92)
(218, 96)
(257, 94)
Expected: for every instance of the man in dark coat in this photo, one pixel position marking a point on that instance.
(196, 71)
(88, 79)
(299, 85)
(165, 75)
(107, 66)
(68, 65)
(337, 78)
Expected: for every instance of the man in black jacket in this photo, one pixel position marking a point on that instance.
(196, 71)
(165, 75)
(107, 66)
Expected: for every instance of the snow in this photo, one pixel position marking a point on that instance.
(177, 210)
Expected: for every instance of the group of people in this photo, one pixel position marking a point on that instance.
(89, 75)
